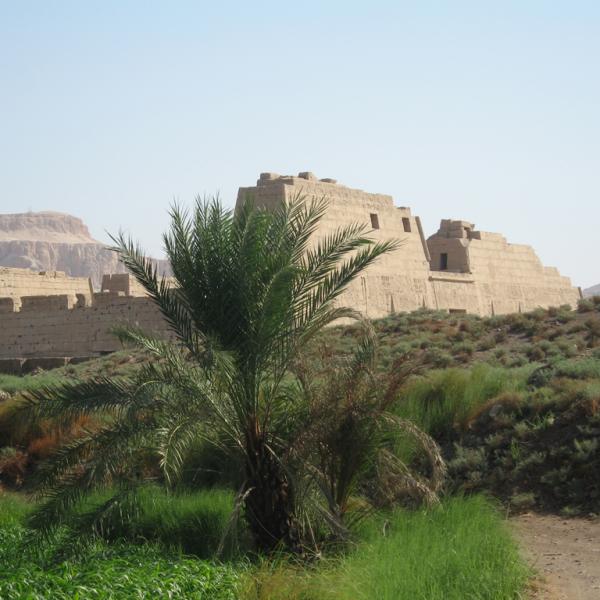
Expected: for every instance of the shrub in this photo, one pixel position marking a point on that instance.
(466, 348)
(437, 358)
(592, 336)
(13, 464)
(487, 343)
(500, 336)
(568, 349)
(546, 446)
(585, 305)
(553, 333)
(584, 368)
(541, 376)
(535, 353)
(523, 501)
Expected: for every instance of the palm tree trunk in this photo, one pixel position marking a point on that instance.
(270, 501)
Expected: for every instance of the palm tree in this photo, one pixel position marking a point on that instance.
(251, 288)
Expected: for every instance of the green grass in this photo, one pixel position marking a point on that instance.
(193, 523)
(124, 362)
(104, 570)
(461, 550)
(17, 383)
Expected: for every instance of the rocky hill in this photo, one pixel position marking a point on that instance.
(593, 291)
(51, 241)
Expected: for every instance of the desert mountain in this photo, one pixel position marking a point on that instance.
(593, 291)
(52, 241)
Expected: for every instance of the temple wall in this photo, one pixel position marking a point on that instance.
(55, 329)
(456, 292)
(398, 281)
(16, 283)
(507, 277)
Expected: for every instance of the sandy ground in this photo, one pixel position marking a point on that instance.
(565, 553)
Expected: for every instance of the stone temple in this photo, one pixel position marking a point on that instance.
(47, 318)
(458, 269)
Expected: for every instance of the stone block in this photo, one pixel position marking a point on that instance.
(307, 175)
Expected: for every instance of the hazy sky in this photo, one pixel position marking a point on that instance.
(485, 111)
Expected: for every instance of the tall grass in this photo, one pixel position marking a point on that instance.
(191, 522)
(446, 398)
(13, 509)
(461, 550)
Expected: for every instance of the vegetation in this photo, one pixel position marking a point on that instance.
(468, 550)
(459, 550)
(250, 294)
(119, 570)
(332, 444)
(539, 449)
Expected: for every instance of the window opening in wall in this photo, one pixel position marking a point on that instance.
(406, 223)
(444, 261)
(374, 221)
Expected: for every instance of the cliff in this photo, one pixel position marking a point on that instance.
(51, 241)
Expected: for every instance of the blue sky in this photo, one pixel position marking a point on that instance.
(485, 111)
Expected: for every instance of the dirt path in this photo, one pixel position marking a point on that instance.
(565, 553)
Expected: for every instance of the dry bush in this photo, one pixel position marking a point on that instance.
(506, 402)
(592, 335)
(348, 434)
(13, 466)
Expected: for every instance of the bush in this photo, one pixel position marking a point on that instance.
(535, 353)
(540, 450)
(585, 305)
(438, 359)
(487, 343)
(584, 368)
(592, 336)
(13, 465)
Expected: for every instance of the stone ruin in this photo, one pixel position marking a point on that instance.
(47, 319)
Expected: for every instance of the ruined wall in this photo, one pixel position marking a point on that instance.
(396, 282)
(16, 283)
(52, 327)
(507, 277)
(122, 283)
